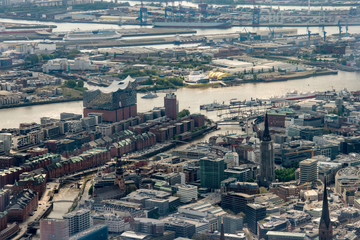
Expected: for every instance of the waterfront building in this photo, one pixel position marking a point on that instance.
(211, 172)
(78, 221)
(267, 173)
(54, 229)
(30, 180)
(116, 102)
(94, 233)
(308, 170)
(171, 106)
(325, 227)
(22, 205)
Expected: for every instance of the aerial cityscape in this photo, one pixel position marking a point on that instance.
(197, 119)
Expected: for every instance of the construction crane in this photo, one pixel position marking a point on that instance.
(166, 9)
(248, 34)
(309, 34)
(272, 32)
(324, 33)
(339, 26)
(173, 9)
(256, 15)
(143, 13)
(203, 8)
(181, 10)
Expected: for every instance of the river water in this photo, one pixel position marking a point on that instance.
(191, 99)
(62, 27)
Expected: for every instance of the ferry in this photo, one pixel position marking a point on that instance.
(150, 95)
(294, 95)
(92, 35)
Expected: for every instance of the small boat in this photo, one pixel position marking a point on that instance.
(150, 95)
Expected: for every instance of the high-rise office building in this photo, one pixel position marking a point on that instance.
(171, 106)
(267, 173)
(54, 229)
(232, 223)
(308, 170)
(254, 213)
(78, 221)
(6, 140)
(236, 202)
(211, 172)
(187, 193)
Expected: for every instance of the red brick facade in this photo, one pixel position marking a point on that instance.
(114, 115)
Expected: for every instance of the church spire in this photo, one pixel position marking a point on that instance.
(222, 234)
(325, 227)
(266, 134)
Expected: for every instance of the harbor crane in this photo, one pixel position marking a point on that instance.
(309, 34)
(203, 9)
(143, 13)
(347, 28)
(248, 34)
(324, 33)
(256, 14)
(166, 9)
(339, 26)
(272, 32)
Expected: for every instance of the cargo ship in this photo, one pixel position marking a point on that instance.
(197, 24)
(25, 29)
(92, 35)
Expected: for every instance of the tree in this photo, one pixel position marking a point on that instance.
(91, 190)
(285, 174)
(183, 113)
(32, 59)
(80, 84)
(70, 83)
(263, 190)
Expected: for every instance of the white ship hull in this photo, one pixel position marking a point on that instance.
(86, 36)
